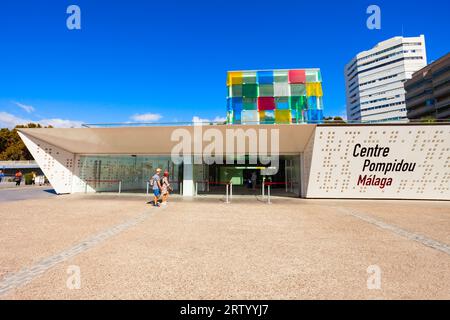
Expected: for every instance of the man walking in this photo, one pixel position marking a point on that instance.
(18, 178)
(155, 181)
(2, 175)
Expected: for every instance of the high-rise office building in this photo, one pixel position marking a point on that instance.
(374, 79)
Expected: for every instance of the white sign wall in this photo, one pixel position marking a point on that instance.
(391, 162)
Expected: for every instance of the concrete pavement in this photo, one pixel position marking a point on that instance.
(13, 193)
(206, 249)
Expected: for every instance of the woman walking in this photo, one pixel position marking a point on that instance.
(165, 187)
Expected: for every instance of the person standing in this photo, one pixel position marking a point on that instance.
(33, 178)
(165, 187)
(2, 175)
(18, 178)
(253, 178)
(155, 181)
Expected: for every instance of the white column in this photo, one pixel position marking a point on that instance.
(188, 179)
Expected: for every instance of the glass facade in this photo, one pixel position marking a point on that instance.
(285, 181)
(103, 173)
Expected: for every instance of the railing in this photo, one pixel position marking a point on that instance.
(223, 123)
(180, 186)
(228, 188)
(99, 181)
(269, 184)
(18, 163)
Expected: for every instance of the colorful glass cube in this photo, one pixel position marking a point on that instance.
(278, 96)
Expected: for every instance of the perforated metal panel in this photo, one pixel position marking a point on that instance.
(338, 169)
(56, 163)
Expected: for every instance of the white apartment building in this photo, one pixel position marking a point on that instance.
(374, 79)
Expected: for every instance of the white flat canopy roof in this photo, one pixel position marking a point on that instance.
(157, 140)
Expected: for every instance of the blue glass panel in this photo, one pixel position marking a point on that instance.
(265, 77)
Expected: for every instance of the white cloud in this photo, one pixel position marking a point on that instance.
(8, 120)
(61, 123)
(196, 119)
(219, 119)
(27, 108)
(146, 117)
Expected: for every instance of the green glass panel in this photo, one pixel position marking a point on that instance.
(297, 103)
(250, 90)
(249, 77)
(230, 117)
(266, 90)
(311, 76)
(298, 90)
(235, 91)
(250, 104)
(280, 76)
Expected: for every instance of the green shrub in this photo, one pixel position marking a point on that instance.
(28, 178)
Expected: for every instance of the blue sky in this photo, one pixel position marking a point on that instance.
(169, 58)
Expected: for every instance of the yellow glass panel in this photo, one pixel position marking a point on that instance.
(234, 77)
(283, 116)
(314, 89)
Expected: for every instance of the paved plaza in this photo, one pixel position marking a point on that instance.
(118, 247)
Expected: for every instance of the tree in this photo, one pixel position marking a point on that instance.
(12, 147)
(334, 120)
(428, 119)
